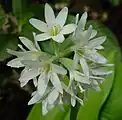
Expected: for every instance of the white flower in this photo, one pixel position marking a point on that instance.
(46, 71)
(87, 45)
(54, 27)
(33, 52)
(49, 72)
(46, 93)
(50, 98)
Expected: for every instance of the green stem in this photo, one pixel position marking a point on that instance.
(74, 112)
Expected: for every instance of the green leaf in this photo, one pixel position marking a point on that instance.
(67, 43)
(92, 107)
(37, 10)
(7, 41)
(21, 11)
(115, 2)
(35, 113)
(70, 19)
(19, 7)
(2, 16)
(112, 109)
(55, 114)
(46, 46)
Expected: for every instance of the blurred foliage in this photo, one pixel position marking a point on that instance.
(115, 2)
(2, 16)
(16, 24)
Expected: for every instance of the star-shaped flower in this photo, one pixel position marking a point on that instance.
(54, 27)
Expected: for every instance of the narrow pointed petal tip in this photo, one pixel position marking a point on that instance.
(56, 82)
(49, 14)
(77, 19)
(67, 29)
(62, 16)
(53, 96)
(28, 43)
(85, 14)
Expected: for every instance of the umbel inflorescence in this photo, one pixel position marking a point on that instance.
(64, 76)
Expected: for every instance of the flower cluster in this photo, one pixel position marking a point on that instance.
(64, 76)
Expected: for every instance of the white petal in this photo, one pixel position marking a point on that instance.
(75, 60)
(95, 57)
(96, 78)
(96, 42)
(31, 64)
(99, 58)
(41, 26)
(85, 67)
(77, 19)
(16, 63)
(59, 38)
(79, 100)
(99, 47)
(21, 47)
(50, 106)
(83, 20)
(42, 83)
(34, 99)
(35, 82)
(71, 77)
(78, 77)
(79, 37)
(61, 17)
(29, 44)
(93, 34)
(34, 55)
(101, 71)
(44, 107)
(108, 65)
(52, 97)
(27, 75)
(36, 43)
(88, 33)
(73, 99)
(49, 15)
(34, 93)
(16, 53)
(68, 29)
(81, 88)
(28, 55)
(42, 37)
(58, 69)
(56, 82)
(95, 85)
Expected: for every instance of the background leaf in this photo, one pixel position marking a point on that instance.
(55, 114)
(112, 108)
(7, 41)
(19, 7)
(115, 2)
